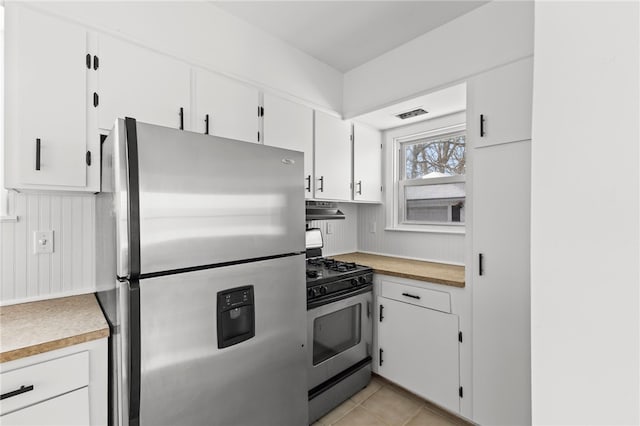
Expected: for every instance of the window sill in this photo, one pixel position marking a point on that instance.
(430, 229)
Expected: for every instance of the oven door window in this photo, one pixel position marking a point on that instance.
(335, 332)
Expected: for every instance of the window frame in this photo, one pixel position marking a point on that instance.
(400, 223)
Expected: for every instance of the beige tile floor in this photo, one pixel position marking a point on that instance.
(382, 403)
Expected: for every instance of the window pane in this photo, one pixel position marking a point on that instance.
(435, 203)
(444, 156)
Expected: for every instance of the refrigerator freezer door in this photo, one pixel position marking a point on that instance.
(261, 380)
(206, 200)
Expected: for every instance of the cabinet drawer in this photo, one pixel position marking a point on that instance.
(70, 409)
(432, 299)
(49, 379)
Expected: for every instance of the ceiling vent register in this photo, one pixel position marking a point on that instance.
(412, 113)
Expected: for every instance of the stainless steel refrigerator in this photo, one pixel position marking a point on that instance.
(201, 274)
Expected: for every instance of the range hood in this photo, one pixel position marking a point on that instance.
(322, 210)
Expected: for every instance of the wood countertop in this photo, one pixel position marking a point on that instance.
(439, 273)
(31, 328)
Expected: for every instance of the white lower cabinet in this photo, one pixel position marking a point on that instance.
(62, 387)
(418, 349)
(69, 409)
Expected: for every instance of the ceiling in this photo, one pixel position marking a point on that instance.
(443, 102)
(346, 34)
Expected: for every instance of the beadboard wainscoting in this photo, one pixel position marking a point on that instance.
(431, 246)
(344, 238)
(70, 269)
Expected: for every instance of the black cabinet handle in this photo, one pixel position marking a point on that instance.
(206, 124)
(481, 125)
(88, 61)
(413, 296)
(321, 179)
(38, 154)
(308, 179)
(23, 389)
(181, 118)
(381, 315)
(480, 268)
(380, 360)
(359, 185)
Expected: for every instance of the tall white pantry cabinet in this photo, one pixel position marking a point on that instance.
(499, 132)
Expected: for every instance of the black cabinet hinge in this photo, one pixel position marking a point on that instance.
(460, 392)
(460, 336)
(96, 99)
(88, 158)
(96, 62)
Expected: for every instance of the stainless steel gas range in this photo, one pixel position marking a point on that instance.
(339, 332)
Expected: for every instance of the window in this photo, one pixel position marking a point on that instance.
(431, 178)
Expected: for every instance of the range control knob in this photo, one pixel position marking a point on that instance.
(362, 279)
(323, 290)
(310, 294)
(316, 291)
(354, 282)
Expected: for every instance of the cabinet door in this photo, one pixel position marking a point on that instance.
(69, 409)
(289, 125)
(367, 164)
(502, 99)
(501, 302)
(136, 82)
(232, 107)
(46, 101)
(332, 157)
(418, 349)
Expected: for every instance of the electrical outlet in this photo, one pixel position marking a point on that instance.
(42, 242)
(372, 227)
(329, 227)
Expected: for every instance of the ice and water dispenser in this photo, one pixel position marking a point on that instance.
(236, 316)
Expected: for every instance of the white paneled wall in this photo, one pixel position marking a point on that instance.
(69, 269)
(344, 238)
(437, 247)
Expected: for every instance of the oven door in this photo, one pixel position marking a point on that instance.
(339, 335)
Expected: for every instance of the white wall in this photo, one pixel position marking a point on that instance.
(489, 36)
(585, 221)
(433, 246)
(201, 33)
(70, 269)
(344, 238)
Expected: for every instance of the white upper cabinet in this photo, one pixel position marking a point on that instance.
(367, 164)
(499, 104)
(139, 83)
(289, 125)
(48, 79)
(230, 107)
(332, 157)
